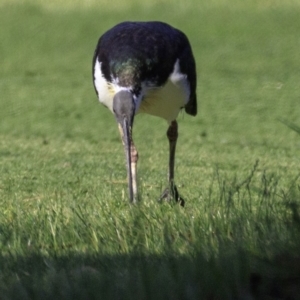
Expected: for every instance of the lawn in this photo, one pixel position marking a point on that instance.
(67, 230)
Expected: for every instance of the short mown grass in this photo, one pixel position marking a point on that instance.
(67, 230)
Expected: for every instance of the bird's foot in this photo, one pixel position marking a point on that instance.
(171, 192)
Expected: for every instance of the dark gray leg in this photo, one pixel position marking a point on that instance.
(171, 191)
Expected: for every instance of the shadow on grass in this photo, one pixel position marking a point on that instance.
(118, 277)
(266, 268)
(232, 276)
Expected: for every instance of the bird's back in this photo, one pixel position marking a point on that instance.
(135, 53)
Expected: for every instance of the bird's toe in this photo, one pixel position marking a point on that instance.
(170, 193)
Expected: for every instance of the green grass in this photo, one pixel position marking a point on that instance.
(67, 230)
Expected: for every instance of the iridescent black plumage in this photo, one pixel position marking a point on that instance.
(136, 52)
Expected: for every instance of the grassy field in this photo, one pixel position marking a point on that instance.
(67, 230)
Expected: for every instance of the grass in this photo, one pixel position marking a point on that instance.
(66, 228)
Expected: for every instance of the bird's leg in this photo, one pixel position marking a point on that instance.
(134, 159)
(172, 135)
(131, 160)
(171, 191)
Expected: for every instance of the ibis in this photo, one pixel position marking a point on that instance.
(146, 67)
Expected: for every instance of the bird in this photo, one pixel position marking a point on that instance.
(146, 67)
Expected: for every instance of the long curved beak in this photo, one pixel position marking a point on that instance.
(124, 109)
(126, 136)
